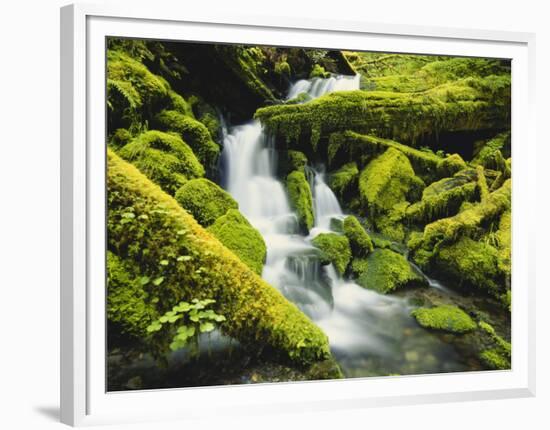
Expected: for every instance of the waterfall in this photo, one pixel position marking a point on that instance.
(361, 324)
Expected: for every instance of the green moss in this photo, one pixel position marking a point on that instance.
(199, 266)
(343, 182)
(504, 243)
(450, 165)
(471, 263)
(336, 249)
(178, 104)
(443, 198)
(300, 197)
(120, 137)
(164, 158)
(445, 317)
(133, 92)
(490, 155)
(388, 180)
(282, 68)
(236, 233)
(296, 160)
(359, 239)
(128, 304)
(193, 132)
(387, 271)
(465, 105)
(349, 146)
(318, 71)
(205, 200)
(494, 359)
(498, 355)
(468, 222)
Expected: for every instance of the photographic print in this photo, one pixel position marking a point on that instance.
(281, 214)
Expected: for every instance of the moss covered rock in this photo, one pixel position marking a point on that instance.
(472, 264)
(446, 317)
(387, 271)
(301, 198)
(146, 227)
(359, 239)
(498, 355)
(193, 132)
(237, 234)
(344, 180)
(336, 250)
(164, 158)
(386, 181)
(450, 165)
(205, 200)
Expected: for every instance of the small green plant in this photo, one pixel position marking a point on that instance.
(192, 318)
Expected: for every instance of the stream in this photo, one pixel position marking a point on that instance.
(369, 333)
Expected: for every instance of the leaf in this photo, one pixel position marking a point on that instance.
(164, 262)
(206, 327)
(144, 280)
(182, 307)
(129, 215)
(174, 318)
(154, 326)
(184, 258)
(158, 281)
(163, 319)
(181, 232)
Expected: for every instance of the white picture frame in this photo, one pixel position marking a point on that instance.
(84, 400)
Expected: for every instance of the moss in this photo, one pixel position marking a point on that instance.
(300, 197)
(336, 249)
(468, 222)
(468, 104)
(193, 132)
(446, 317)
(490, 155)
(498, 355)
(504, 243)
(120, 137)
(133, 92)
(318, 71)
(349, 146)
(178, 104)
(296, 160)
(387, 181)
(344, 180)
(443, 198)
(388, 271)
(128, 304)
(164, 158)
(236, 233)
(205, 200)
(471, 263)
(359, 239)
(199, 266)
(450, 165)
(282, 68)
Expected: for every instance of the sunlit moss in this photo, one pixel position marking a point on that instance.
(184, 261)
(343, 182)
(387, 271)
(300, 197)
(164, 158)
(236, 233)
(205, 200)
(499, 355)
(446, 318)
(193, 132)
(450, 165)
(359, 239)
(336, 249)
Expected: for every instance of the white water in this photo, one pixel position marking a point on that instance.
(360, 323)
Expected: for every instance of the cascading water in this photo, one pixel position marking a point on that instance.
(369, 333)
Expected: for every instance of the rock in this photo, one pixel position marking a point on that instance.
(445, 317)
(300, 197)
(336, 249)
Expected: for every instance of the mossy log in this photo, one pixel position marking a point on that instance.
(469, 104)
(147, 226)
